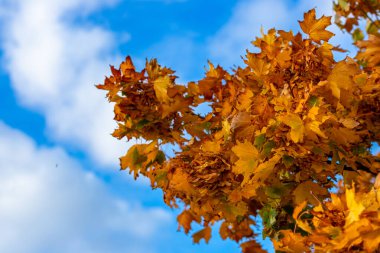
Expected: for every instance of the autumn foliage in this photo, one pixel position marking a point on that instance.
(288, 138)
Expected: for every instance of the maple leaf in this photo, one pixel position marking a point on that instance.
(372, 240)
(134, 158)
(248, 158)
(341, 77)
(315, 28)
(211, 146)
(259, 66)
(300, 223)
(161, 85)
(185, 219)
(299, 209)
(180, 181)
(291, 242)
(309, 191)
(127, 65)
(251, 247)
(262, 172)
(296, 126)
(202, 234)
(355, 208)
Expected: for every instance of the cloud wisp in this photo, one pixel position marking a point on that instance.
(250, 16)
(54, 63)
(49, 204)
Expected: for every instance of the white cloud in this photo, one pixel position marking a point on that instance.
(163, 1)
(54, 64)
(229, 43)
(49, 204)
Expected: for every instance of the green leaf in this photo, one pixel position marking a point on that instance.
(240, 218)
(268, 214)
(313, 101)
(161, 176)
(160, 157)
(317, 150)
(259, 141)
(371, 28)
(287, 161)
(141, 123)
(137, 159)
(344, 5)
(274, 192)
(267, 149)
(357, 35)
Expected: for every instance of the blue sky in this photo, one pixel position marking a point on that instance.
(60, 186)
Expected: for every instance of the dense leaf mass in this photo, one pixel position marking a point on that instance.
(285, 131)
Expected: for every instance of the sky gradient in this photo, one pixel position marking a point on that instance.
(61, 190)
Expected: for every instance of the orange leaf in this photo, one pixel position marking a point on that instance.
(251, 247)
(202, 234)
(185, 219)
(316, 27)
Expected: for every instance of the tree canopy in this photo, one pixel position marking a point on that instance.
(288, 137)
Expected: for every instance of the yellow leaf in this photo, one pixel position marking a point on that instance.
(211, 146)
(248, 157)
(316, 28)
(299, 209)
(231, 211)
(290, 242)
(341, 77)
(151, 151)
(355, 208)
(264, 170)
(313, 112)
(225, 132)
(244, 101)
(377, 182)
(336, 202)
(302, 224)
(226, 128)
(305, 226)
(326, 52)
(349, 123)
(371, 240)
(314, 126)
(296, 126)
(134, 159)
(161, 85)
(259, 66)
(350, 235)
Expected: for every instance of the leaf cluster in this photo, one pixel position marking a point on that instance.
(283, 129)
